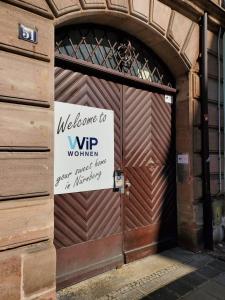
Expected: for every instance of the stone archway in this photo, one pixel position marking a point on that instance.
(144, 218)
(175, 39)
(152, 22)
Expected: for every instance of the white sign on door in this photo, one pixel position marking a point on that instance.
(84, 148)
(169, 99)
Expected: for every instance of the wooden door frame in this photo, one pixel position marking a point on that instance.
(112, 75)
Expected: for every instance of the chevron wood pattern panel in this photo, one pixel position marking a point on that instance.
(137, 140)
(81, 217)
(163, 201)
(163, 195)
(137, 126)
(162, 138)
(138, 206)
(149, 159)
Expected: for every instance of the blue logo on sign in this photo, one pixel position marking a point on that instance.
(85, 143)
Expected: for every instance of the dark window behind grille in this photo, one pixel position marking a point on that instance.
(112, 49)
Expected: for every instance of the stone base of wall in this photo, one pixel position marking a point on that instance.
(28, 273)
(191, 238)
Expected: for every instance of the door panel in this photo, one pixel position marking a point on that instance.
(88, 233)
(150, 202)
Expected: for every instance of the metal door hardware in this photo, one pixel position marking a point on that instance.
(127, 184)
(127, 187)
(118, 181)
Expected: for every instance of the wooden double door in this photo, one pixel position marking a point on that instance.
(100, 230)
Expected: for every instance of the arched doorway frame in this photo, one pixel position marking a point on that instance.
(181, 59)
(184, 70)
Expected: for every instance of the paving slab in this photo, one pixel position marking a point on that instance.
(214, 289)
(180, 287)
(198, 295)
(209, 272)
(220, 279)
(218, 264)
(162, 294)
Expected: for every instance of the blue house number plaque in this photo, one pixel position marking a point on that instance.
(27, 34)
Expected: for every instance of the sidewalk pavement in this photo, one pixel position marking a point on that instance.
(172, 274)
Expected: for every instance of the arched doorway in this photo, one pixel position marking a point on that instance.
(95, 231)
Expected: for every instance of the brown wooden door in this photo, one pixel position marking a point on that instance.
(95, 231)
(149, 166)
(88, 234)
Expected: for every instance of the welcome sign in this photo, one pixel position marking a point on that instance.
(84, 148)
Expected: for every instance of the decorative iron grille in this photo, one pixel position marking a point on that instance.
(112, 49)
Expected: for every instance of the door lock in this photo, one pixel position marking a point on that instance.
(127, 184)
(127, 187)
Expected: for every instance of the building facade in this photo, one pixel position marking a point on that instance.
(174, 174)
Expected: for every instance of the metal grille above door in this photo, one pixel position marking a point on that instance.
(112, 49)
